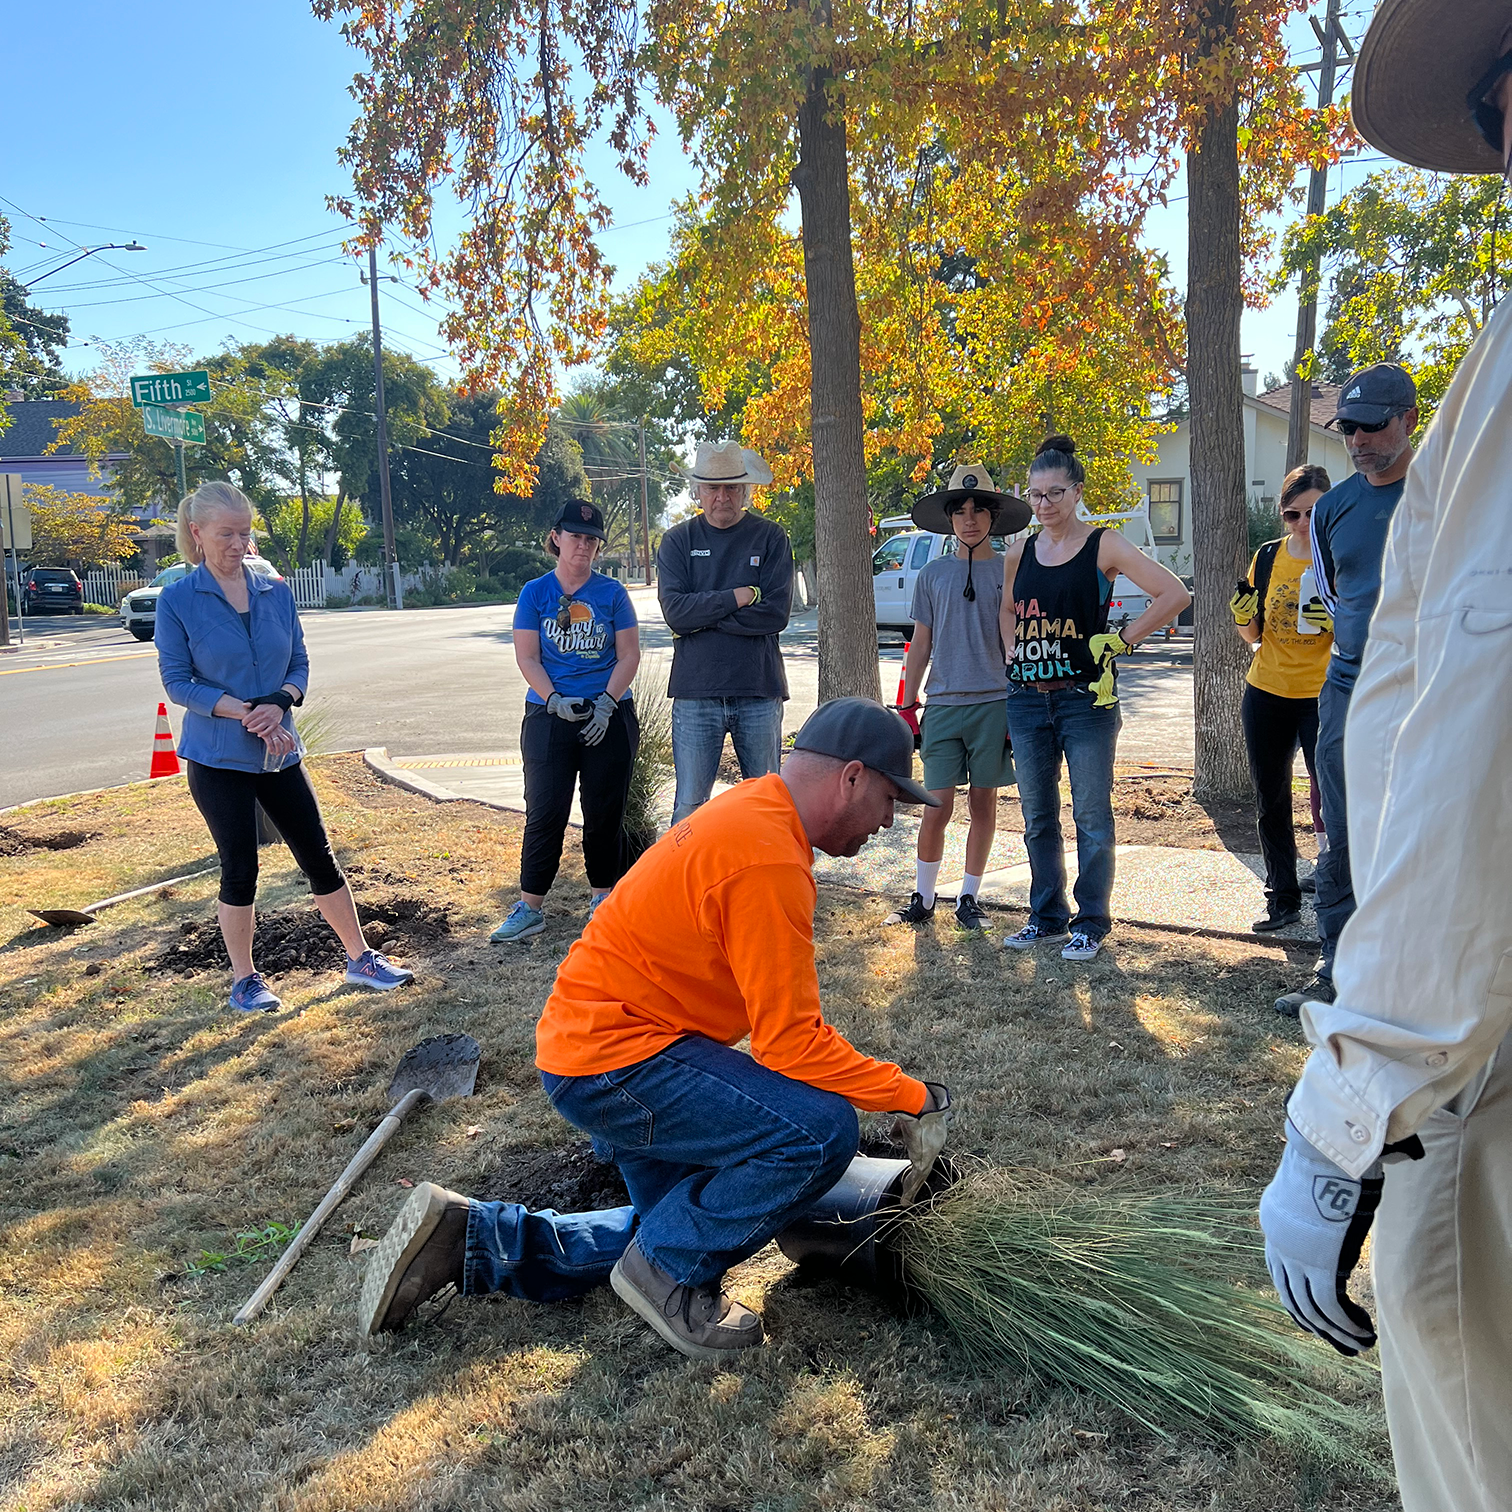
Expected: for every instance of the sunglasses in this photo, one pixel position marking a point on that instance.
(1488, 114)
(564, 611)
(1291, 516)
(1349, 427)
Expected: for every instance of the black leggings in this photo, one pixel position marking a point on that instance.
(556, 761)
(228, 801)
(1273, 729)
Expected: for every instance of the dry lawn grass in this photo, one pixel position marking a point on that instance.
(142, 1124)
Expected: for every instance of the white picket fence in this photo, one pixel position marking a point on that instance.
(309, 585)
(109, 585)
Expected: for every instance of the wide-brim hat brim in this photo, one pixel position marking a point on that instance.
(931, 512)
(1418, 61)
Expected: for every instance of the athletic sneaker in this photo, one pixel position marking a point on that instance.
(970, 914)
(1319, 990)
(376, 971)
(1034, 934)
(915, 913)
(1080, 947)
(1276, 917)
(253, 995)
(519, 923)
(595, 903)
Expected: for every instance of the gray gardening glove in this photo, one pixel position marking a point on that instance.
(573, 710)
(923, 1136)
(603, 711)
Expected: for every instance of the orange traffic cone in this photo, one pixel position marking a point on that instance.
(901, 678)
(165, 762)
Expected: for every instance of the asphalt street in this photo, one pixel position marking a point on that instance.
(78, 702)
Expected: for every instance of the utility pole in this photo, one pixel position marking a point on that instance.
(393, 591)
(645, 507)
(178, 460)
(1299, 426)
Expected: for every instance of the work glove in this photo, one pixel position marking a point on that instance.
(1315, 1218)
(923, 1137)
(603, 711)
(573, 710)
(1245, 604)
(1315, 612)
(1104, 648)
(910, 713)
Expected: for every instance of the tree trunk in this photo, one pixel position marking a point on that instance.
(1220, 529)
(810, 589)
(842, 513)
(334, 533)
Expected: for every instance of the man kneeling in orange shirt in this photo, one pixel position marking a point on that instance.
(709, 938)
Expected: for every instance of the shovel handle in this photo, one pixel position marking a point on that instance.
(138, 892)
(344, 1184)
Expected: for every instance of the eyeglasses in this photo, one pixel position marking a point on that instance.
(1048, 496)
(1349, 427)
(1487, 112)
(1291, 516)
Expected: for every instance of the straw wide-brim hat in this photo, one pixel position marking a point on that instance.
(1419, 60)
(726, 462)
(971, 480)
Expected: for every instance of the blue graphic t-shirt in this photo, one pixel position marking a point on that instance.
(577, 631)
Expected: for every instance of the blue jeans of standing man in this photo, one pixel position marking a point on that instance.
(1046, 726)
(1335, 897)
(719, 1153)
(699, 726)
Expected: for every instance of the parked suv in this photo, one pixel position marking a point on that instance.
(52, 589)
(139, 607)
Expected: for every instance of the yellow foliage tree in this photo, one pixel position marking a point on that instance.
(76, 529)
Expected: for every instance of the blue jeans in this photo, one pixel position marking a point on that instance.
(1335, 897)
(1046, 726)
(719, 1153)
(699, 726)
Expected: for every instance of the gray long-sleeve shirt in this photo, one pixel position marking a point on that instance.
(722, 650)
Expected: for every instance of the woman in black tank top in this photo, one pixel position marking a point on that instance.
(1062, 704)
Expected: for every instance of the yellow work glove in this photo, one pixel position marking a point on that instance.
(1104, 648)
(1245, 605)
(1315, 612)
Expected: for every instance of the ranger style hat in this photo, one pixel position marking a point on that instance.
(860, 729)
(726, 462)
(1374, 394)
(971, 480)
(580, 517)
(1417, 63)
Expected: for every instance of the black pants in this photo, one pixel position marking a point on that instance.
(1336, 899)
(557, 760)
(1273, 729)
(228, 800)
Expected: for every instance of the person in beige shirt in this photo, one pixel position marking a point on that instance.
(1411, 1064)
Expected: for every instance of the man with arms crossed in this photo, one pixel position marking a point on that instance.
(1412, 1060)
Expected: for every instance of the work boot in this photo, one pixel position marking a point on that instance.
(422, 1253)
(699, 1321)
(1319, 990)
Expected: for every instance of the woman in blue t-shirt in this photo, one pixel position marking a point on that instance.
(577, 645)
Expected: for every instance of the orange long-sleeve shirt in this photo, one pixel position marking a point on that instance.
(712, 933)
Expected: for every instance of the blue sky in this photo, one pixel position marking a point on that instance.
(209, 132)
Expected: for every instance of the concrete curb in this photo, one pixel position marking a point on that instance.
(376, 759)
(115, 787)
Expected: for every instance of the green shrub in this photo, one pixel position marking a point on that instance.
(99, 609)
(337, 601)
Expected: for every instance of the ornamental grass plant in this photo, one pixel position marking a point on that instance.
(652, 768)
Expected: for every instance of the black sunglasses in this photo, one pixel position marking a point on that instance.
(1294, 514)
(1349, 427)
(564, 612)
(1488, 114)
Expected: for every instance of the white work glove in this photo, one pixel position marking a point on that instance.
(1315, 1217)
(573, 710)
(923, 1136)
(603, 711)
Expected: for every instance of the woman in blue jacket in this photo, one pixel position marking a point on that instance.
(231, 651)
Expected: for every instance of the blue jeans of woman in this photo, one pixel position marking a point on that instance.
(1047, 726)
(699, 726)
(719, 1155)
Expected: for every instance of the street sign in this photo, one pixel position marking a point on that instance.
(170, 388)
(15, 517)
(174, 424)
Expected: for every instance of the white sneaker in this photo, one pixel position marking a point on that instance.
(1081, 947)
(1031, 935)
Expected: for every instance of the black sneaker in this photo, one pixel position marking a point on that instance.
(1277, 918)
(915, 913)
(1319, 990)
(1309, 883)
(970, 914)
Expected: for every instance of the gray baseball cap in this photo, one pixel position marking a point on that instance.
(1376, 393)
(860, 729)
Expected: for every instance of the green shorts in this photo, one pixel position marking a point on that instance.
(966, 744)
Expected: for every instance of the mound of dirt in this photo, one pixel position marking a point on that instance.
(298, 938)
(569, 1178)
(14, 843)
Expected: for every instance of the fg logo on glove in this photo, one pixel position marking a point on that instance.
(1335, 1200)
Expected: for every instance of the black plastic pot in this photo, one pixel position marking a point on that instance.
(848, 1232)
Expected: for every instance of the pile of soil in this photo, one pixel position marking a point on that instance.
(14, 843)
(298, 938)
(569, 1178)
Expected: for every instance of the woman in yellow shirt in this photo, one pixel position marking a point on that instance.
(1280, 708)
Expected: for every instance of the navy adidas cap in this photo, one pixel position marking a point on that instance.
(860, 729)
(1376, 393)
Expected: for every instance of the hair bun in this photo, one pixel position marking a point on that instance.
(1056, 444)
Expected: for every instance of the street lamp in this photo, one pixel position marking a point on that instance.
(87, 252)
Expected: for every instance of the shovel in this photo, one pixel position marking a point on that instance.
(439, 1068)
(63, 917)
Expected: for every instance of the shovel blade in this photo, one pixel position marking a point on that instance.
(446, 1065)
(61, 918)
